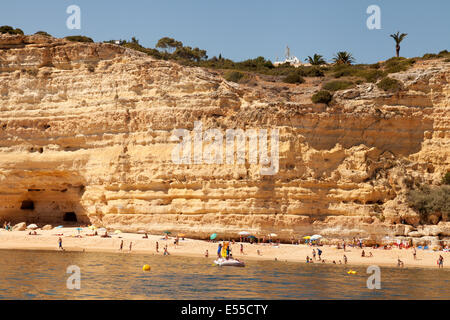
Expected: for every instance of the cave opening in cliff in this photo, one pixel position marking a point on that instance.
(27, 205)
(55, 204)
(70, 217)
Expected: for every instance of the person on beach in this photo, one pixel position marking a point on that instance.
(206, 253)
(219, 249)
(121, 245)
(414, 253)
(157, 246)
(400, 263)
(242, 248)
(441, 262)
(60, 244)
(145, 236)
(363, 254)
(344, 246)
(345, 259)
(314, 254)
(319, 252)
(131, 243)
(307, 259)
(258, 252)
(166, 252)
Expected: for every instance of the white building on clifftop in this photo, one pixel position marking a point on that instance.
(292, 60)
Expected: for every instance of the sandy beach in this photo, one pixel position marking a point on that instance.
(48, 240)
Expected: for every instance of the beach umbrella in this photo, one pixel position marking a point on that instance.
(213, 236)
(244, 233)
(117, 231)
(251, 237)
(316, 237)
(272, 235)
(92, 227)
(32, 226)
(181, 235)
(167, 232)
(58, 227)
(307, 237)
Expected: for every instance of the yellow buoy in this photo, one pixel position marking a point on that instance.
(146, 267)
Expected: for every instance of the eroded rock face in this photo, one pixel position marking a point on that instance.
(86, 129)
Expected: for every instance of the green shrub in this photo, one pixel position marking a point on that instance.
(399, 64)
(446, 178)
(234, 76)
(10, 30)
(389, 84)
(337, 85)
(430, 200)
(79, 39)
(342, 70)
(428, 56)
(444, 54)
(371, 75)
(43, 33)
(310, 72)
(293, 77)
(322, 96)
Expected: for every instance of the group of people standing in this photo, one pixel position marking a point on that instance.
(7, 226)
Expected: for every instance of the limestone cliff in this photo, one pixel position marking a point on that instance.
(86, 128)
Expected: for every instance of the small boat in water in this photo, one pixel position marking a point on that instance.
(229, 262)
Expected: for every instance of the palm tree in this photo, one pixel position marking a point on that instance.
(398, 38)
(316, 60)
(343, 57)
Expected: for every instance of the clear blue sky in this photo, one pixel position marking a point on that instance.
(242, 29)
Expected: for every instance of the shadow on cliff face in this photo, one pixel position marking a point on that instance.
(58, 204)
(401, 136)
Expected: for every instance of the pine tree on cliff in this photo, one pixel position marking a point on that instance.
(398, 38)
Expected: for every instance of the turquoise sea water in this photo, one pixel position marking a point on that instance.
(42, 275)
